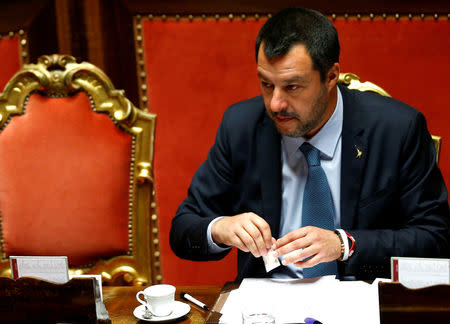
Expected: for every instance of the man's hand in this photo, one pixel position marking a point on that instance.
(317, 244)
(248, 232)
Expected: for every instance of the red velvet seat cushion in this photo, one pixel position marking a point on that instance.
(64, 178)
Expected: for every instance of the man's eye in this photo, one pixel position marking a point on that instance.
(266, 84)
(292, 87)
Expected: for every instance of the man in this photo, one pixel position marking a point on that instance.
(308, 157)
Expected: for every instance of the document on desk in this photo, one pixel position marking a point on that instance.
(292, 300)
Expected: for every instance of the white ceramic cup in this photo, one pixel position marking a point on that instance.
(158, 298)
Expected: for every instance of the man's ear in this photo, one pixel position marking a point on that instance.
(333, 76)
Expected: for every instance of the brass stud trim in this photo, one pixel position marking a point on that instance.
(385, 16)
(23, 43)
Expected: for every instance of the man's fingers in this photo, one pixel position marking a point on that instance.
(294, 245)
(237, 242)
(297, 256)
(311, 262)
(248, 241)
(291, 236)
(248, 232)
(308, 246)
(264, 229)
(258, 234)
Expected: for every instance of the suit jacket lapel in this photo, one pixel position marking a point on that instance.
(269, 165)
(354, 154)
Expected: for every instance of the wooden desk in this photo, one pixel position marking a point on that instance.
(121, 301)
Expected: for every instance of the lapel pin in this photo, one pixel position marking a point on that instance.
(358, 152)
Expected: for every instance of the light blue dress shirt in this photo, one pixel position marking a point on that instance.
(294, 175)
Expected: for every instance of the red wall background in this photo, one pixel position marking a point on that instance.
(195, 70)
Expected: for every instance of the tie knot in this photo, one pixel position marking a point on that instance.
(311, 153)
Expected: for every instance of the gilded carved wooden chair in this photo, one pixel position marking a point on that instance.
(76, 173)
(352, 81)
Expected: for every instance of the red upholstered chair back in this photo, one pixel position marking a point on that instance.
(192, 68)
(75, 172)
(13, 48)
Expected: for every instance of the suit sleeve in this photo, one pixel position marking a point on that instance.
(208, 198)
(421, 220)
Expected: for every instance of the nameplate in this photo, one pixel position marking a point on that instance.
(51, 268)
(420, 272)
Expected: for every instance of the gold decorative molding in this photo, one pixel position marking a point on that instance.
(203, 17)
(264, 16)
(60, 75)
(140, 60)
(421, 16)
(437, 140)
(352, 81)
(23, 43)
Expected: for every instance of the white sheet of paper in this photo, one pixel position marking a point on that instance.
(50, 268)
(292, 300)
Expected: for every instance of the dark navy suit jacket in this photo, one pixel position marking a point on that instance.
(393, 197)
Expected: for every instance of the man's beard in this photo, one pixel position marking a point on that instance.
(306, 126)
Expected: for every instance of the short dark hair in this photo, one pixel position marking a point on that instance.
(292, 26)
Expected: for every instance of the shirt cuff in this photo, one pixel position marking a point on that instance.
(212, 246)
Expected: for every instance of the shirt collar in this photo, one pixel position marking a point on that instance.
(326, 138)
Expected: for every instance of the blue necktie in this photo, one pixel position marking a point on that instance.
(318, 209)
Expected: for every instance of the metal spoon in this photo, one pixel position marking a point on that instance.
(147, 314)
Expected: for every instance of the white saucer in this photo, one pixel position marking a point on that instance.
(179, 310)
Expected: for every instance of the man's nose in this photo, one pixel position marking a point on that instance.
(278, 102)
